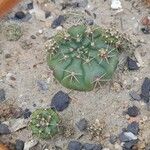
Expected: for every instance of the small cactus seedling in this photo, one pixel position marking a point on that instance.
(83, 57)
(44, 123)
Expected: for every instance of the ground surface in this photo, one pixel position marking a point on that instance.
(106, 104)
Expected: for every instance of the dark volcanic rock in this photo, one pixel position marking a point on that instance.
(88, 146)
(82, 124)
(145, 90)
(133, 127)
(4, 129)
(133, 111)
(30, 6)
(74, 145)
(135, 95)
(58, 21)
(145, 30)
(127, 136)
(132, 65)
(20, 15)
(2, 95)
(27, 113)
(129, 145)
(113, 139)
(60, 101)
(19, 145)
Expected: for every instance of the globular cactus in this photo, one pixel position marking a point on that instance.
(44, 123)
(83, 57)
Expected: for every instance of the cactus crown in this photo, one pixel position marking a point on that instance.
(44, 123)
(82, 57)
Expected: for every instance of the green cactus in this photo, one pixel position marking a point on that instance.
(83, 57)
(44, 123)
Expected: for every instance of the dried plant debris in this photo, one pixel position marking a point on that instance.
(68, 130)
(10, 111)
(96, 130)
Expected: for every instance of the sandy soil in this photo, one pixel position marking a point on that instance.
(29, 66)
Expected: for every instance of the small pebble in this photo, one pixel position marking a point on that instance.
(42, 85)
(34, 105)
(33, 37)
(145, 90)
(89, 21)
(129, 145)
(4, 129)
(60, 101)
(40, 31)
(82, 124)
(133, 111)
(145, 30)
(58, 21)
(2, 95)
(74, 145)
(82, 3)
(47, 14)
(88, 146)
(132, 65)
(19, 145)
(135, 95)
(127, 136)
(113, 139)
(20, 15)
(133, 127)
(30, 6)
(7, 56)
(27, 113)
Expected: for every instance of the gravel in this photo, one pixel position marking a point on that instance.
(4, 129)
(27, 113)
(74, 145)
(19, 145)
(60, 101)
(130, 144)
(2, 95)
(132, 65)
(20, 15)
(42, 85)
(134, 95)
(58, 21)
(133, 127)
(133, 111)
(127, 136)
(82, 124)
(30, 6)
(113, 139)
(145, 90)
(88, 146)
